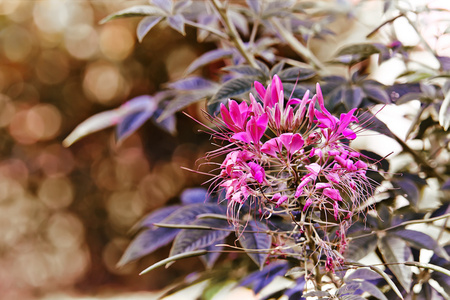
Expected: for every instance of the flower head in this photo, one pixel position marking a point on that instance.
(288, 156)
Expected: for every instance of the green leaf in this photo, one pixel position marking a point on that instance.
(395, 253)
(173, 259)
(134, 11)
(145, 25)
(233, 87)
(188, 239)
(255, 237)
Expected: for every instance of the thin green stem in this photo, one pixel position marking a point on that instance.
(233, 34)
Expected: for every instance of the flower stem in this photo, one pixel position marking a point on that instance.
(233, 34)
(296, 45)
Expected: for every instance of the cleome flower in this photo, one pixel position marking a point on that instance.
(292, 157)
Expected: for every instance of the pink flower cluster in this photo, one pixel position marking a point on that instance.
(291, 157)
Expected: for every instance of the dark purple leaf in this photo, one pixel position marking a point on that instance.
(245, 70)
(129, 124)
(194, 195)
(193, 239)
(146, 242)
(209, 57)
(395, 252)
(277, 68)
(168, 124)
(157, 216)
(373, 290)
(263, 68)
(145, 25)
(176, 22)
(192, 83)
(254, 237)
(296, 73)
(260, 279)
(403, 92)
(165, 5)
(296, 292)
(371, 122)
(363, 273)
(360, 247)
(187, 214)
(442, 210)
(233, 87)
(407, 189)
(352, 54)
(376, 93)
(352, 97)
(181, 101)
(214, 252)
(421, 240)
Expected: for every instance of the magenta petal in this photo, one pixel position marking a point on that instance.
(297, 142)
(257, 172)
(226, 117)
(281, 200)
(242, 136)
(307, 204)
(271, 147)
(322, 185)
(336, 210)
(299, 190)
(333, 194)
(349, 134)
(314, 169)
(260, 89)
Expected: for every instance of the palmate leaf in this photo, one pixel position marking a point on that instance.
(213, 253)
(352, 97)
(408, 189)
(395, 253)
(135, 11)
(245, 70)
(192, 83)
(256, 242)
(373, 290)
(360, 247)
(181, 101)
(364, 274)
(188, 239)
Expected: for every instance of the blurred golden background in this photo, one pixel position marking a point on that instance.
(65, 214)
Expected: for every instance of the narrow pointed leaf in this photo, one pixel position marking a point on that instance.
(373, 290)
(130, 123)
(176, 22)
(233, 87)
(194, 195)
(146, 242)
(395, 252)
(296, 73)
(145, 25)
(180, 5)
(255, 237)
(209, 57)
(181, 101)
(421, 240)
(173, 259)
(192, 83)
(169, 124)
(188, 239)
(213, 254)
(362, 273)
(360, 247)
(408, 189)
(376, 93)
(245, 70)
(165, 5)
(134, 11)
(352, 97)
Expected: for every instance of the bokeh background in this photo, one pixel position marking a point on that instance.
(66, 213)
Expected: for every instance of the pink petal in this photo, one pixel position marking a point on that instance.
(299, 190)
(242, 136)
(307, 204)
(333, 194)
(314, 169)
(322, 185)
(260, 89)
(271, 147)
